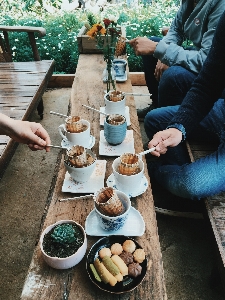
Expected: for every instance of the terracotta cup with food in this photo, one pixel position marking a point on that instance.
(111, 208)
(80, 163)
(128, 171)
(115, 129)
(76, 131)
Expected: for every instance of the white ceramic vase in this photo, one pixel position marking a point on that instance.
(114, 107)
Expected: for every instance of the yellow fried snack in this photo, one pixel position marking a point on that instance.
(110, 266)
(95, 273)
(116, 248)
(104, 251)
(120, 46)
(139, 255)
(104, 274)
(119, 277)
(100, 270)
(129, 246)
(120, 264)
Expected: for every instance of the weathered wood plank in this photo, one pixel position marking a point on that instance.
(61, 80)
(137, 78)
(26, 92)
(43, 282)
(66, 80)
(4, 139)
(28, 82)
(26, 101)
(13, 101)
(2, 147)
(20, 96)
(40, 30)
(216, 210)
(215, 207)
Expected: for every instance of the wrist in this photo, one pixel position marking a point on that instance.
(181, 128)
(5, 124)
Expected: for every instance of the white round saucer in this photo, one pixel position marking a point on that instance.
(142, 187)
(134, 225)
(66, 143)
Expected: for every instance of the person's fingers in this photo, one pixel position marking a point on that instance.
(42, 138)
(132, 42)
(157, 75)
(34, 147)
(154, 144)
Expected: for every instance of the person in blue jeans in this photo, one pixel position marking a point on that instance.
(201, 117)
(172, 63)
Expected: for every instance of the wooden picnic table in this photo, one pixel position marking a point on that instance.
(44, 282)
(22, 85)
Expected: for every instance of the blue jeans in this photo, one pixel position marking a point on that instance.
(174, 171)
(173, 85)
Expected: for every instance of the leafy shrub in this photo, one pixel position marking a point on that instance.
(60, 42)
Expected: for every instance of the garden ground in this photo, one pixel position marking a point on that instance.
(187, 251)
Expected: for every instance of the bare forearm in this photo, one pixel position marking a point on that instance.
(30, 133)
(5, 124)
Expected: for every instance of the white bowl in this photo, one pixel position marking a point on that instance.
(82, 174)
(66, 262)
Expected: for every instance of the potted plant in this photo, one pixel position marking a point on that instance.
(85, 43)
(63, 244)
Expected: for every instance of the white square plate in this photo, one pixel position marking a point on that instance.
(95, 183)
(134, 225)
(109, 150)
(127, 115)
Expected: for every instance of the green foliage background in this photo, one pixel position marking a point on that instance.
(62, 28)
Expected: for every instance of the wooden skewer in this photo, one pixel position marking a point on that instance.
(146, 151)
(59, 147)
(137, 94)
(133, 94)
(95, 110)
(76, 198)
(58, 114)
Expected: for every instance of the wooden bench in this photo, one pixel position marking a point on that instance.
(43, 282)
(215, 209)
(22, 85)
(215, 205)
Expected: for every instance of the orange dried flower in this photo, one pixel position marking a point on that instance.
(96, 28)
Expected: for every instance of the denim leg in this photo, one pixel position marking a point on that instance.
(174, 85)
(149, 64)
(205, 176)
